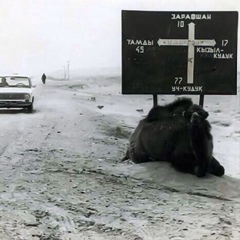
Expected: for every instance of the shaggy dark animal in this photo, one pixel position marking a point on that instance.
(184, 140)
(175, 108)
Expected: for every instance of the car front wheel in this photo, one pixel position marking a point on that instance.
(30, 108)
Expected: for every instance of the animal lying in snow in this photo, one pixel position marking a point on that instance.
(178, 133)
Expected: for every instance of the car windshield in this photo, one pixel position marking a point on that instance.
(11, 81)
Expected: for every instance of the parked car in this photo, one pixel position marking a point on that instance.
(16, 92)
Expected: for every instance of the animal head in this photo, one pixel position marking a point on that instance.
(195, 114)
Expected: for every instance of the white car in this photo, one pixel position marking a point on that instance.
(16, 92)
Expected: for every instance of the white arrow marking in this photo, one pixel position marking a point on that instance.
(173, 42)
(185, 42)
(191, 42)
(200, 42)
(191, 37)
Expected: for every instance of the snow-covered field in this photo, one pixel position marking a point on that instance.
(224, 111)
(61, 177)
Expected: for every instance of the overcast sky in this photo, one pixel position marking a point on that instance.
(42, 35)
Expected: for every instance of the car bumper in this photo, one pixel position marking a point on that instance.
(14, 104)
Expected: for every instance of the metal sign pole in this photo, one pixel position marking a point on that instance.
(201, 100)
(155, 100)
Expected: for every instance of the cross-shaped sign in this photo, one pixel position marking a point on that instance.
(179, 52)
(191, 42)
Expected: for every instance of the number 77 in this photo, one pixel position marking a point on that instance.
(178, 80)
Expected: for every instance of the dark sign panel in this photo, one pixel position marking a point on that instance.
(179, 52)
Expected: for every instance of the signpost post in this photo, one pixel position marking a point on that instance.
(155, 100)
(179, 53)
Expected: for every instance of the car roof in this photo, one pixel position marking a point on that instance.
(19, 76)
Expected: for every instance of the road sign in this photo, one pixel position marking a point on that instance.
(179, 52)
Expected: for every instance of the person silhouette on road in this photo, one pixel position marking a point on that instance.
(44, 78)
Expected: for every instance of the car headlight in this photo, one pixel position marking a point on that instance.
(27, 96)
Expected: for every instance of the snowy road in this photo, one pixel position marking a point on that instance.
(61, 177)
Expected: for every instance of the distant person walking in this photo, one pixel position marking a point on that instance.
(44, 78)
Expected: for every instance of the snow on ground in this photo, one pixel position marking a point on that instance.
(224, 112)
(61, 177)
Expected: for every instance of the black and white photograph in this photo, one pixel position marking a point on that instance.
(119, 120)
